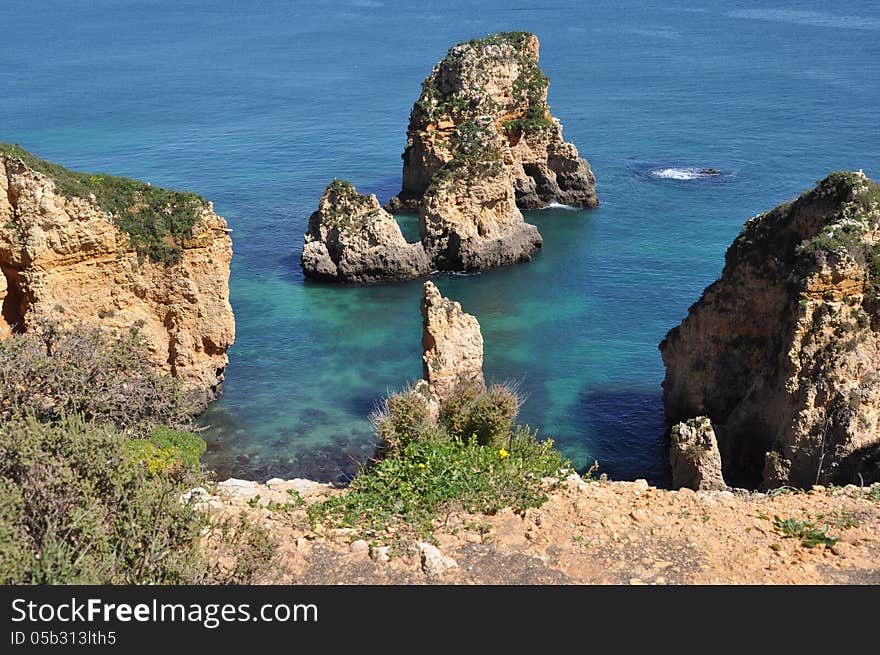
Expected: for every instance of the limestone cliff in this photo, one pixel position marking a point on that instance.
(352, 239)
(116, 253)
(452, 345)
(783, 352)
(498, 79)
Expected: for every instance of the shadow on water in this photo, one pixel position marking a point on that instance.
(628, 433)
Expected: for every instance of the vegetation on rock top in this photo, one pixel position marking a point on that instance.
(158, 221)
(481, 55)
(849, 204)
(473, 457)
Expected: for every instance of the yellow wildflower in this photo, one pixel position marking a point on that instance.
(421, 465)
(503, 453)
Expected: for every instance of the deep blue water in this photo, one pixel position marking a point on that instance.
(258, 105)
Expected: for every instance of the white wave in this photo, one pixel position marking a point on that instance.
(559, 205)
(677, 173)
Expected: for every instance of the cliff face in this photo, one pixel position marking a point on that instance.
(498, 79)
(116, 253)
(352, 239)
(783, 352)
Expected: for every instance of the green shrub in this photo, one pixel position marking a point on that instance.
(487, 414)
(809, 535)
(79, 508)
(158, 221)
(428, 479)
(52, 371)
(167, 450)
(401, 418)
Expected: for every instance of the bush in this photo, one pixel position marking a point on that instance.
(52, 371)
(428, 479)
(469, 454)
(402, 418)
(167, 451)
(487, 414)
(79, 508)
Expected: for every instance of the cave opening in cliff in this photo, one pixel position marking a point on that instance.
(13, 307)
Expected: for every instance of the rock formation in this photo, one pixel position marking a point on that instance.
(498, 79)
(352, 239)
(469, 219)
(481, 145)
(116, 253)
(694, 456)
(452, 345)
(783, 352)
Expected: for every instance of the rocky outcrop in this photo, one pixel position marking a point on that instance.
(116, 253)
(481, 145)
(469, 219)
(452, 345)
(498, 79)
(352, 239)
(783, 352)
(694, 456)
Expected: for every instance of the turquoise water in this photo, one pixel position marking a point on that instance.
(258, 107)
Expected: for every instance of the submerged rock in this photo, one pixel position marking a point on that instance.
(694, 456)
(352, 239)
(452, 345)
(114, 253)
(783, 352)
(498, 79)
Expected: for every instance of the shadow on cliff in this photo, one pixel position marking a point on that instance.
(862, 466)
(627, 430)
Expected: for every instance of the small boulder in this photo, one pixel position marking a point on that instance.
(434, 563)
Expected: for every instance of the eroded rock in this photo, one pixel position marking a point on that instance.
(452, 345)
(64, 256)
(782, 353)
(498, 79)
(352, 239)
(694, 456)
(469, 219)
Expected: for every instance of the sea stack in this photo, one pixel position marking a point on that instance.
(352, 239)
(497, 80)
(452, 345)
(782, 353)
(481, 146)
(116, 253)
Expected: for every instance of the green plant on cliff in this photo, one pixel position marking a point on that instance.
(80, 507)
(158, 221)
(476, 154)
(52, 371)
(805, 531)
(426, 480)
(95, 459)
(473, 458)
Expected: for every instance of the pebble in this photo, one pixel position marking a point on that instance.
(360, 547)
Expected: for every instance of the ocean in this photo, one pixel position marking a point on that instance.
(258, 105)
